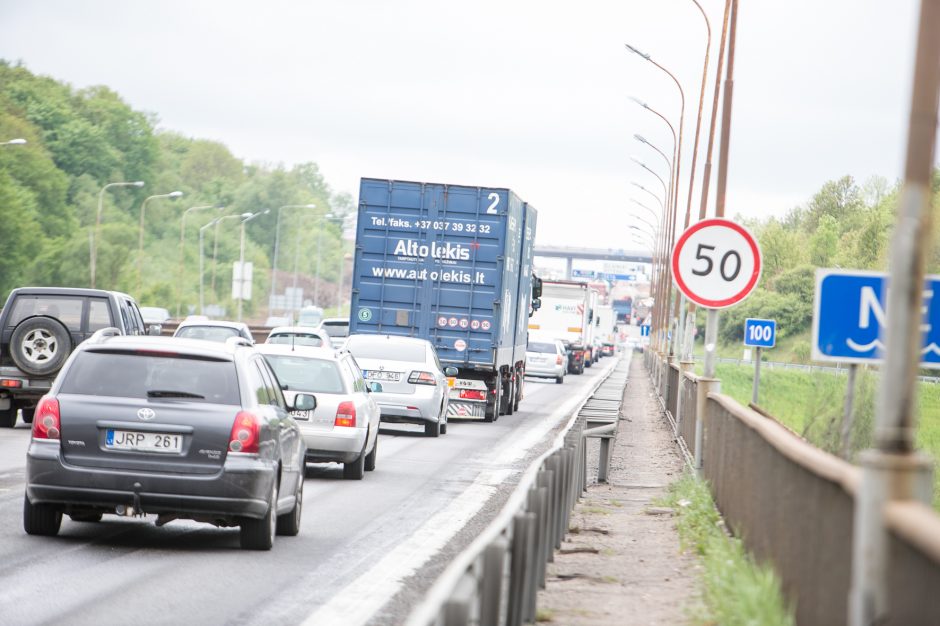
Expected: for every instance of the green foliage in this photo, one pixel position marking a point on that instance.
(737, 590)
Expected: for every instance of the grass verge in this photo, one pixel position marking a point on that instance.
(736, 589)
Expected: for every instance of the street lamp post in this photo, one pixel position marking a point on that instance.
(316, 283)
(140, 236)
(277, 241)
(213, 222)
(179, 281)
(93, 265)
(241, 258)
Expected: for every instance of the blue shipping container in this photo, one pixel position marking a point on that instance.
(448, 263)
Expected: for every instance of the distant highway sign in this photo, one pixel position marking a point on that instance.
(849, 316)
(760, 333)
(716, 263)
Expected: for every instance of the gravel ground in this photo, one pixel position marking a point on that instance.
(620, 563)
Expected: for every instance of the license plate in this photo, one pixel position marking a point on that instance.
(301, 415)
(393, 377)
(143, 442)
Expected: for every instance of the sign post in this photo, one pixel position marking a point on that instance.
(759, 334)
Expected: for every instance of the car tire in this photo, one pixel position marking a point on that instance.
(85, 517)
(258, 534)
(559, 380)
(355, 470)
(491, 415)
(289, 523)
(41, 519)
(432, 429)
(8, 417)
(40, 345)
(371, 457)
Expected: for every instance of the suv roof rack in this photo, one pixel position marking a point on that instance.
(103, 333)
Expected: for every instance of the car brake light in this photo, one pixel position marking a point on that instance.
(345, 414)
(472, 394)
(558, 359)
(422, 378)
(246, 433)
(47, 423)
(11, 383)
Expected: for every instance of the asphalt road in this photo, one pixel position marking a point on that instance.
(366, 552)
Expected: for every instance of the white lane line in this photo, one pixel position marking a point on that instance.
(352, 607)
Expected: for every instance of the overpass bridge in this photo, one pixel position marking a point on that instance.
(570, 253)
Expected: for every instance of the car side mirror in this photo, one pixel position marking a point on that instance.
(155, 330)
(304, 402)
(375, 387)
(450, 370)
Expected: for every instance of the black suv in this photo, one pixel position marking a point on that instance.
(39, 328)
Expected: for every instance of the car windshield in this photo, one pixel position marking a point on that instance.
(536, 346)
(296, 339)
(369, 348)
(306, 374)
(336, 329)
(207, 333)
(131, 375)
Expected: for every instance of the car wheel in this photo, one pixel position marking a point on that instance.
(289, 523)
(41, 519)
(40, 345)
(432, 429)
(443, 420)
(559, 380)
(8, 417)
(85, 517)
(356, 469)
(258, 534)
(370, 458)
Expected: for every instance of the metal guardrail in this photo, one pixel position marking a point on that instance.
(497, 578)
(836, 369)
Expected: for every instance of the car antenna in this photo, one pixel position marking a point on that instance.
(293, 338)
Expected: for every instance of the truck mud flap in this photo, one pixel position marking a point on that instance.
(466, 410)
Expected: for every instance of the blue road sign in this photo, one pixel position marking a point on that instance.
(849, 317)
(760, 333)
(645, 330)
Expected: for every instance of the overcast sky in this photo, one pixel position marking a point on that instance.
(530, 95)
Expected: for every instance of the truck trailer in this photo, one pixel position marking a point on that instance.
(451, 264)
(566, 314)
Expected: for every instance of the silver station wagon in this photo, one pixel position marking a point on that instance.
(175, 428)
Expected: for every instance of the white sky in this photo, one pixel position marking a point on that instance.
(531, 95)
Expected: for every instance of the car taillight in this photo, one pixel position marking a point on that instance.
(11, 383)
(47, 422)
(472, 394)
(246, 433)
(422, 378)
(345, 414)
(557, 359)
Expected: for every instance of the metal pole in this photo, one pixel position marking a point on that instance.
(202, 262)
(277, 243)
(241, 270)
(755, 390)
(96, 233)
(706, 171)
(893, 471)
(179, 278)
(848, 412)
(316, 282)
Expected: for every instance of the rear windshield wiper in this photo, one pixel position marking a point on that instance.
(169, 393)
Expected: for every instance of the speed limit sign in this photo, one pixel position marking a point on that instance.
(716, 263)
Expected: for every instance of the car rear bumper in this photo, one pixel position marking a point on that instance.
(421, 407)
(545, 370)
(241, 487)
(339, 445)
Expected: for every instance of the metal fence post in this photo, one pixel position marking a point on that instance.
(603, 460)
(705, 386)
(491, 585)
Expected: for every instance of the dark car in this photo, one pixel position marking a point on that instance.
(171, 427)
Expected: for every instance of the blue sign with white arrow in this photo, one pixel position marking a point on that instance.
(645, 330)
(849, 317)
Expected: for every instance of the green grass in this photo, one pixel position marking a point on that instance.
(811, 404)
(736, 589)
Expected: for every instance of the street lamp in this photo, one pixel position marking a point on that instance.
(179, 281)
(316, 284)
(95, 233)
(650, 170)
(652, 212)
(655, 197)
(653, 227)
(277, 240)
(214, 222)
(643, 140)
(241, 259)
(14, 142)
(140, 236)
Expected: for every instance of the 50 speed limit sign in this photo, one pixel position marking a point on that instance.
(716, 263)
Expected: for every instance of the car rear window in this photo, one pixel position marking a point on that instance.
(336, 329)
(541, 347)
(207, 333)
(305, 374)
(66, 310)
(369, 348)
(133, 375)
(296, 339)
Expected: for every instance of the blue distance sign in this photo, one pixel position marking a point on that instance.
(760, 333)
(849, 317)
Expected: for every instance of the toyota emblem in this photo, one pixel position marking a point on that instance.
(146, 414)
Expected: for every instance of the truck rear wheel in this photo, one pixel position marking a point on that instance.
(491, 413)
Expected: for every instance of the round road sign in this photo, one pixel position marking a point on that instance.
(716, 263)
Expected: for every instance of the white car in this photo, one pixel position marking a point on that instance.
(414, 383)
(343, 427)
(337, 328)
(546, 358)
(212, 330)
(299, 336)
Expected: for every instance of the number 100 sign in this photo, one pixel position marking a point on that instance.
(716, 263)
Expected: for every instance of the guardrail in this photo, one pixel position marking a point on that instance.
(496, 579)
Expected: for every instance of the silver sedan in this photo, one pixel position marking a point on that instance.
(344, 426)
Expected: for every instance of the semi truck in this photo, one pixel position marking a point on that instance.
(566, 314)
(451, 264)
